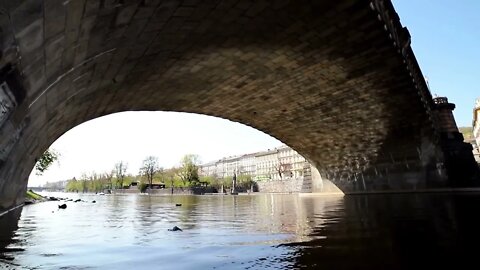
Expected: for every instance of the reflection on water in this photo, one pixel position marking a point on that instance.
(8, 226)
(244, 232)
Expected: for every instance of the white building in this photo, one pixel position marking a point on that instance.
(476, 152)
(209, 169)
(476, 121)
(226, 167)
(247, 165)
(274, 164)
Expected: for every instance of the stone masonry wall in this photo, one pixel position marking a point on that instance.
(292, 185)
(168, 191)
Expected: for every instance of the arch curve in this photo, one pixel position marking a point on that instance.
(324, 77)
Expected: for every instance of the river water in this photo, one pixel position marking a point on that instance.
(244, 232)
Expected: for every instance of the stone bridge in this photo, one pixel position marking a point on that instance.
(335, 80)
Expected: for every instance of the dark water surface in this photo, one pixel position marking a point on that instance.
(245, 232)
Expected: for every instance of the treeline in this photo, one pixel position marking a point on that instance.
(94, 182)
(185, 175)
(99, 182)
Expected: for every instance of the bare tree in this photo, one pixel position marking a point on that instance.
(84, 182)
(120, 172)
(149, 168)
(109, 179)
(283, 168)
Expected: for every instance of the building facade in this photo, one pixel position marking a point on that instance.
(476, 121)
(280, 163)
(476, 130)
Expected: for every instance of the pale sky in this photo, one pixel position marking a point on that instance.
(445, 39)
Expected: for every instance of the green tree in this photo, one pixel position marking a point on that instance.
(188, 170)
(170, 178)
(142, 187)
(149, 168)
(84, 183)
(45, 160)
(72, 185)
(110, 180)
(92, 182)
(105, 180)
(128, 179)
(120, 172)
(244, 181)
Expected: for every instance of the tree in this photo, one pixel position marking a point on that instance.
(72, 185)
(244, 181)
(142, 187)
(84, 182)
(45, 160)
(188, 170)
(109, 179)
(92, 182)
(149, 168)
(283, 169)
(120, 172)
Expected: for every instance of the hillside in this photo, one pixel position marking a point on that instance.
(467, 133)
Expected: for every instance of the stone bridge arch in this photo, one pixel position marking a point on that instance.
(335, 80)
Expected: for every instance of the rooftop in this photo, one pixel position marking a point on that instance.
(237, 157)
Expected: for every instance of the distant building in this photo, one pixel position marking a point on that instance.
(476, 121)
(226, 167)
(58, 185)
(274, 164)
(476, 152)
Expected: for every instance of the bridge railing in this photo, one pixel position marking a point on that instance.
(401, 40)
(440, 100)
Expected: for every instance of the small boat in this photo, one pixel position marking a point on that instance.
(101, 193)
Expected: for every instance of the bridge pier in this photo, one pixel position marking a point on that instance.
(441, 163)
(460, 164)
(402, 177)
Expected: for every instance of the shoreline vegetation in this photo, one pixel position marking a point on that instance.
(186, 175)
(33, 197)
(96, 183)
(151, 174)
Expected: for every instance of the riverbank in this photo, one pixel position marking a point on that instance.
(32, 197)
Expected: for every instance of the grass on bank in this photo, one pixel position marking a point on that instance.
(33, 196)
(467, 132)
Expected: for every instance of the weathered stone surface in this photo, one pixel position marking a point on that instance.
(335, 80)
(290, 185)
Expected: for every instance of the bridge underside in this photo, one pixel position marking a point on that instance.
(332, 79)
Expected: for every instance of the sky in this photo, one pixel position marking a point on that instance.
(445, 39)
(446, 42)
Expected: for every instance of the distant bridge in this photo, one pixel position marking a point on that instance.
(37, 189)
